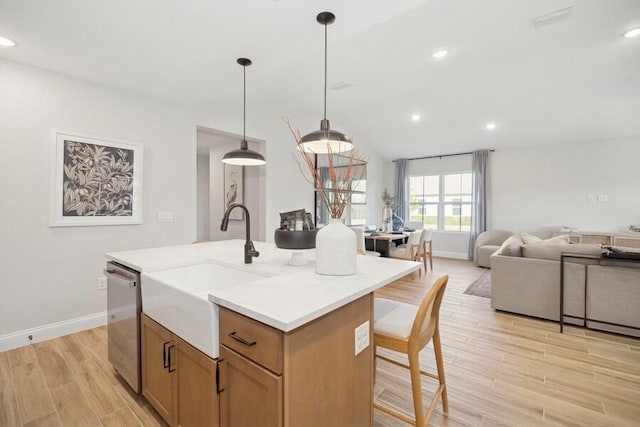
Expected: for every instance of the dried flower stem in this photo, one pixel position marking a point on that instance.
(335, 189)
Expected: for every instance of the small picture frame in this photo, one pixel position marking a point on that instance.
(233, 189)
(94, 181)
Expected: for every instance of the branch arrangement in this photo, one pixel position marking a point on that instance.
(335, 189)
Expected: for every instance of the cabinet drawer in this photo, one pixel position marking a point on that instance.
(257, 341)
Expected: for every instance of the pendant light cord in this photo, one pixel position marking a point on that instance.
(244, 102)
(325, 71)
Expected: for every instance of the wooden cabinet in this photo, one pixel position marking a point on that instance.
(179, 381)
(158, 381)
(251, 395)
(310, 376)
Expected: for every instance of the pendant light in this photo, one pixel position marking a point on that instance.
(243, 156)
(325, 140)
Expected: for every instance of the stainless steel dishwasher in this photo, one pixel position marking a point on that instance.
(124, 304)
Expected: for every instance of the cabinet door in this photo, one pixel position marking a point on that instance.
(198, 403)
(158, 370)
(628, 242)
(250, 395)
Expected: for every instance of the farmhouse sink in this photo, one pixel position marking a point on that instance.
(177, 298)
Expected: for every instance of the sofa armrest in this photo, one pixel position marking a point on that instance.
(490, 238)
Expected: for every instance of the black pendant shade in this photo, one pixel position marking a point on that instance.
(325, 139)
(243, 156)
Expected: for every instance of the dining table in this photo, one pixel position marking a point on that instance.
(381, 242)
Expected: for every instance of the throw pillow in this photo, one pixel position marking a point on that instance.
(529, 238)
(557, 240)
(512, 246)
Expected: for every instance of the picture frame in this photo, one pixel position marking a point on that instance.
(233, 189)
(94, 181)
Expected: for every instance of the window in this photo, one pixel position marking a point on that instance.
(441, 202)
(357, 209)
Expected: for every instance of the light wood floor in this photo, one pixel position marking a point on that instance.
(501, 369)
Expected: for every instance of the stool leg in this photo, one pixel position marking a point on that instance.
(416, 387)
(375, 363)
(438, 351)
(431, 254)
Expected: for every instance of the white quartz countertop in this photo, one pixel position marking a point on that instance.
(289, 296)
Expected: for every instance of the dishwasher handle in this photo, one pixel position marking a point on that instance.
(118, 279)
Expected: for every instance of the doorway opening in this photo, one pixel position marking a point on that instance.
(214, 182)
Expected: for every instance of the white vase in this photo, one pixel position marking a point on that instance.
(387, 219)
(336, 250)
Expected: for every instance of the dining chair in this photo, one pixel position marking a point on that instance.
(405, 328)
(407, 250)
(425, 249)
(360, 244)
(416, 225)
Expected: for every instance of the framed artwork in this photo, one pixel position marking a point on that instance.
(94, 181)
(234, 189)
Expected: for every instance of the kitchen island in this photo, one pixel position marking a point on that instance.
(292, 347)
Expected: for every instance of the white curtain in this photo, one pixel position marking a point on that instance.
(401, 194)
(479, 197)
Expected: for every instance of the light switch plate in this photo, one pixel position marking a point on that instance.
(603, 198)
(165, 216)
(591, 198)
(362, 337)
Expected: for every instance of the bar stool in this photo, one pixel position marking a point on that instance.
(408, 329)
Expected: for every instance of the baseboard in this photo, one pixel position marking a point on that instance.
(446, 254)
(52, 330)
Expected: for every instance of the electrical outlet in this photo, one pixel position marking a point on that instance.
(603, 197)
(165, 216)
(362, 337)
(102, 283)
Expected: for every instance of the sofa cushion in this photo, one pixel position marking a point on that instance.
(512, 246)
(529, 238)
(552, 251)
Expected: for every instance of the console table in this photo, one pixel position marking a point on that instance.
(629, 240)
(602, 260)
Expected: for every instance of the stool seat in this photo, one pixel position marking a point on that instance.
(393, 318)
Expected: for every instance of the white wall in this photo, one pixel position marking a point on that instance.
(539, 187)
(542, 186)
(49, 274)
(202, 206)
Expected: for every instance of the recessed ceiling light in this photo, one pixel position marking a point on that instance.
(490, 126)
(416, 117)
(632, 33)
(440, 54)
(6, 42)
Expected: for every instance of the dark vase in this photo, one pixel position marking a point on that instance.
(398, 223)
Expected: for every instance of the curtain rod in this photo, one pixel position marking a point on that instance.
(440, 156)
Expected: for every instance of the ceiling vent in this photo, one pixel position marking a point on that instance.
(551, 18)
(341, 85)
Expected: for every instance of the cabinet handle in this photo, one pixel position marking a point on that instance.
(171, 347)
(242, 340)
(218, 367)
(165, 364)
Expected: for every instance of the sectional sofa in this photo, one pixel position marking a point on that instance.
(525, 279)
